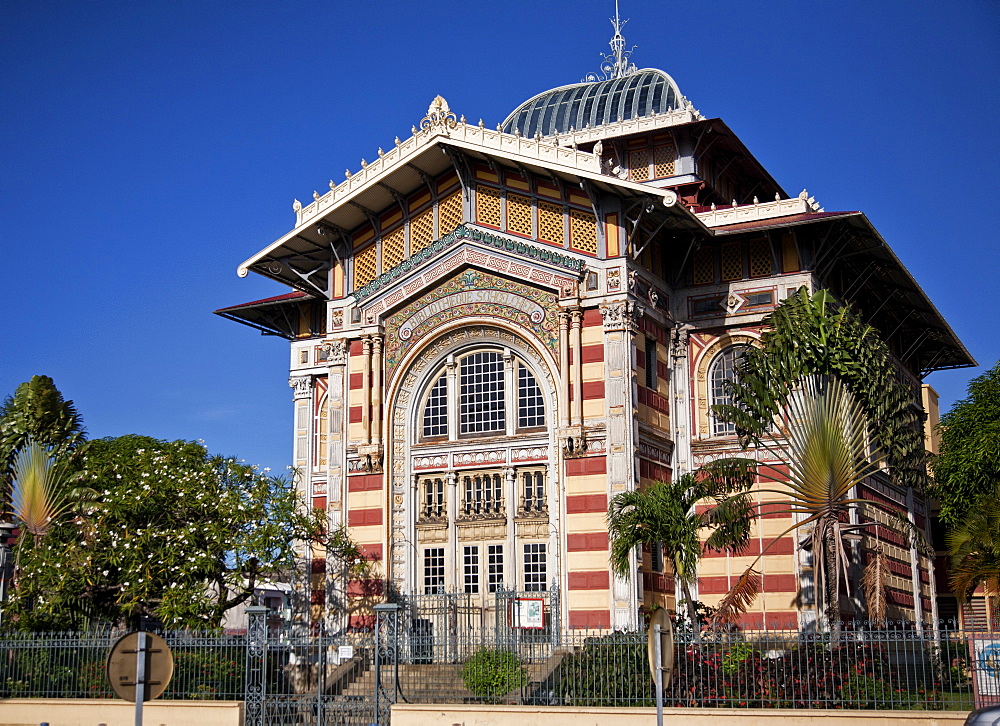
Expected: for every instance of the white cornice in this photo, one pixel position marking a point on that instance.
(722, 216)
(642, 124)
(543, 150)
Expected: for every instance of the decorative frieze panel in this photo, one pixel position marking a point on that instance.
(507, 244)
(536, 453)
(473, 293)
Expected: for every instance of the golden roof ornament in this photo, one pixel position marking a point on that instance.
(439, 114)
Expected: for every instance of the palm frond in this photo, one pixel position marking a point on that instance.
(36, 498)
(739, 599)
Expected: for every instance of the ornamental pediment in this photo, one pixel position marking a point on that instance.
(523, 259)
(472, 295)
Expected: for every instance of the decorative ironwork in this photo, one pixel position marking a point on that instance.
(256, 666)
(617, 63)
(386, 654)
(439, 114)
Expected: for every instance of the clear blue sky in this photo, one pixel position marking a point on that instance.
(147, 148)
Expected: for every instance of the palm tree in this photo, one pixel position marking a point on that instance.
(975, 550)
(37, 411)
(663, 514)
(822, 441)
(37, 498)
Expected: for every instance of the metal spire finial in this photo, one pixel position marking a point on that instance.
(617, 64)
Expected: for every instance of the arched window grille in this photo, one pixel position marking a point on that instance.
(722, 369)
(477, 398)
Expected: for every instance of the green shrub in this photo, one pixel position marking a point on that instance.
(492, 674)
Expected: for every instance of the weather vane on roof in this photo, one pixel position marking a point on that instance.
(617, 63)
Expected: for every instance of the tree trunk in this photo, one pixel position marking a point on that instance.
(832, 582)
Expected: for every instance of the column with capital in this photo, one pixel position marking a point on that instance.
(621, 321)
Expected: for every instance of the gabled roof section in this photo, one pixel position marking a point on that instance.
(854, 261)
(302, 257)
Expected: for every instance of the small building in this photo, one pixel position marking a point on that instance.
(494, 328)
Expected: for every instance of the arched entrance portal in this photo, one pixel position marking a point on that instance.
(474, 469)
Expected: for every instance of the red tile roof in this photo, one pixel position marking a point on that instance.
(278, 298)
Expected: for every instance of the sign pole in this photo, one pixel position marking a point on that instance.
(140, 675)
(658, 648)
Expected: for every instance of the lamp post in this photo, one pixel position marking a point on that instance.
(6, 562)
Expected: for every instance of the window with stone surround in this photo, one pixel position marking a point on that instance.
(722, 369)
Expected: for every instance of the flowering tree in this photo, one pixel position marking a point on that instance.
(171, 532)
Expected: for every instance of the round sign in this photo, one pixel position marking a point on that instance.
(662, 618)
(122, 661)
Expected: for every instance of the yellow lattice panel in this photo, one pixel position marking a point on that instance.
(519, 214)
(393, 248)
(704, 266)
(760, 257)
(664, 158)
(488, 205)
(732, 261)
(638, 165)
(365, 266)
(583, 231)
(550, 223)
(421, 230)
(449, 213)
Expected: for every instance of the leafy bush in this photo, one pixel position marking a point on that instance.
(612, 670)
(492, 674)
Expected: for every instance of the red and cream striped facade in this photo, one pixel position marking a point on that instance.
(496, 334)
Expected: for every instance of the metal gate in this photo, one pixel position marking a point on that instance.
(309, 679)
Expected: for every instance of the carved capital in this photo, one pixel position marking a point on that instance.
(622, 316)
(679, 342)
(336, 352)
(302, 386)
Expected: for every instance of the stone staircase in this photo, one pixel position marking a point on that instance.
(442, 682)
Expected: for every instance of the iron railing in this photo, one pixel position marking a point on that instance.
(332, 678)
(72, 665)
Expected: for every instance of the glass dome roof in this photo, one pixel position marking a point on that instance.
(638, 94)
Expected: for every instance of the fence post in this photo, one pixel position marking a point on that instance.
(386, 654)
(555, 614)
(256, 683)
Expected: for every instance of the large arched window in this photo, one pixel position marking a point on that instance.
(483, 392)
(722, 369)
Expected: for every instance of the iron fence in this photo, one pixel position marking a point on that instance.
(894, 667)
(72, 665)
(303, 678)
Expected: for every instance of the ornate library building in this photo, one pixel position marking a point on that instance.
(494, 329)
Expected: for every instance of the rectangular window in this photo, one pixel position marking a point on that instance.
(494, 564)
(732, 261)
(482, 393)
(759, 299)
(703, 266)
(471, 569)
(433, 570)
(534, 567)
(651, 363)
(483, 494)
(530, 406)
(533, 483)
(433, 498)
(657, 557)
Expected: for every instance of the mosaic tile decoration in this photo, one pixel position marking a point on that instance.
(473, 293)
